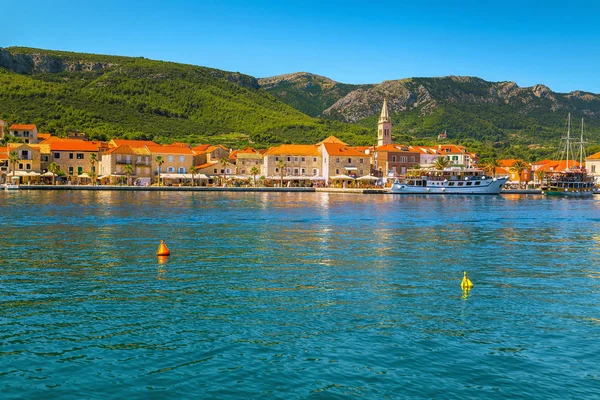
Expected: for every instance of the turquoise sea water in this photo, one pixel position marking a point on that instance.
(298, 295)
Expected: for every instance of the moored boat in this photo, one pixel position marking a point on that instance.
(11, 186)
(454, 180)
(574, 181)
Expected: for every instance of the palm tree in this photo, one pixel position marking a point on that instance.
(13, 159)
(54, 168)
(517, 168)
(441, 163)
(491, 165)
(93, 159)
(193, 172)
(540, 175)
(281, 165)
(160, 161)
(254, 171)
(224, 161)
(128, 172)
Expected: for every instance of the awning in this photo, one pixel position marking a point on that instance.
(318, 178)
(368, 178)
(33, 173)
(341, 177)
(84, 175)
(50, 174)
(350, 168)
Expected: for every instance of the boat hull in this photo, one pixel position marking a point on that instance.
(569, 192)
(486, 186)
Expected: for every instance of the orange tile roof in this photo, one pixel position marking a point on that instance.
(123, 149)
(132, 143)
(4, 153)
(558, 166)
(206, 165)
(201, 148)
(44, 136)
(336, 149)
(362, 149)
(73, 145)
(22, 127)
(595, 156)
(394, 147)
(332, 139)
(294, 150)
(453, 149)
(158, 149)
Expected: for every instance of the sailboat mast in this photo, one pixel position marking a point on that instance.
(581, 147)
(568, 139)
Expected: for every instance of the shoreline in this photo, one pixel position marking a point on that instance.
(232, 189)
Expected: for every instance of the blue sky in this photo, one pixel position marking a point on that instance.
(557, 44)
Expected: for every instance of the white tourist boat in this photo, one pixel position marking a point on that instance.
(453, 180)
(574, 181)
(11, 186)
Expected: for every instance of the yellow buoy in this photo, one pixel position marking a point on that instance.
(163, 250)
(466, 282)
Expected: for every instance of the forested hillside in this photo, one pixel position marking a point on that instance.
(108, 96)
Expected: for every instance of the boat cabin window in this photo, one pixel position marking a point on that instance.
(460, 183)
(469, 183)
(477, 183)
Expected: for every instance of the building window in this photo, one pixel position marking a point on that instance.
(170, 169)
(20, 165)
(28, 166)
(276, 158)
(79, 170)
(360, 172)
(70, 156)
(139, 159)
(56, 156)
(337, 171)
(337, 160)
(276, 170)
(214, 171)
(361, 161)
(70, 170)
(315, 172)
(296, 159)
(314, 159)
(303, 159)
(349, 161)
(181, 158)
(80, 156)
(181, 170)
(289, 159)
(44, 158)
(412, 159)
(170, 158)
(393, 158)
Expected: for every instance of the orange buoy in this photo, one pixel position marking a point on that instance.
(163, 250)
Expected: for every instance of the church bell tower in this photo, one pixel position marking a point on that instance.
(384, 126)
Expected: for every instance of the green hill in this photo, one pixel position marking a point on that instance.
(306, 92)
(493, 118)
(111, 96)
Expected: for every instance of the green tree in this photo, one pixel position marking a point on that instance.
(254, 171)
(160, 161)
(193, 172)
(55, 169)
(441, 163)
(128, 173)
(93, 160)
(281, 165)
(540, 176)
(13, 160)
(224, 161)
(490, 166)
(519, 167)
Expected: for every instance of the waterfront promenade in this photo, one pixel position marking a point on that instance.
(232, 189)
